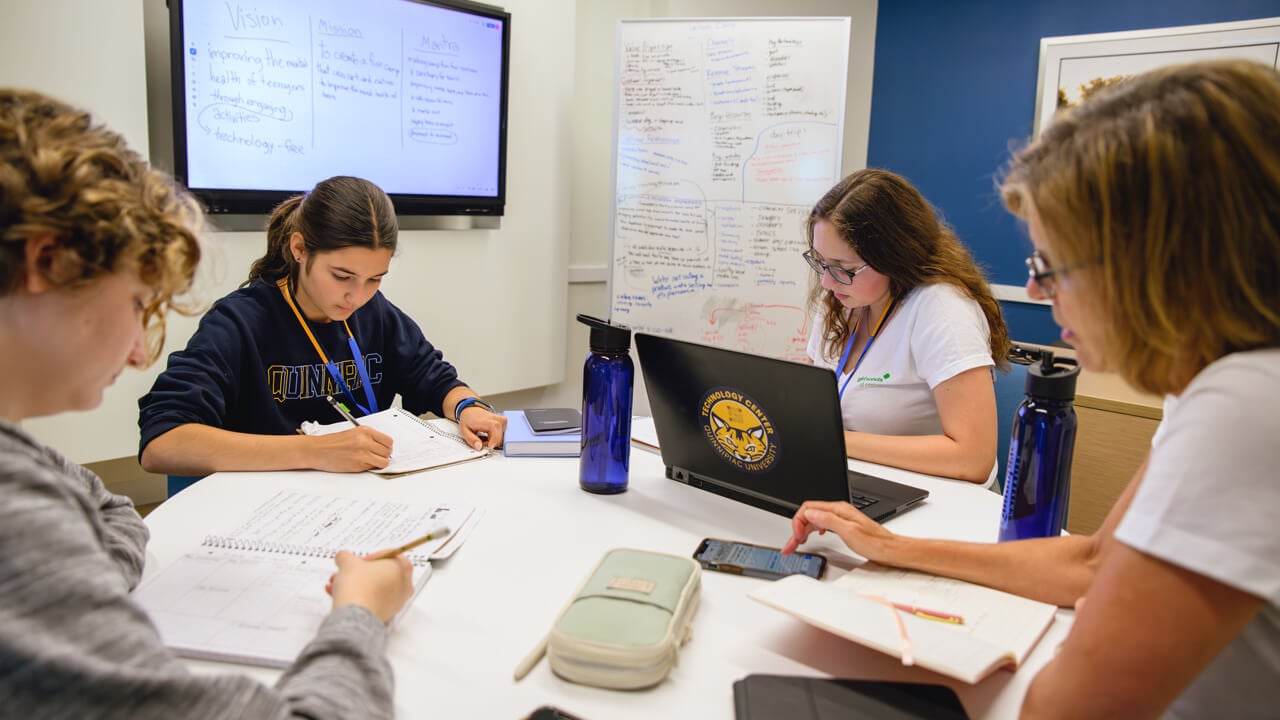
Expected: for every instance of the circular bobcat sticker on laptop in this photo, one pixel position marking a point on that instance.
(739, 430)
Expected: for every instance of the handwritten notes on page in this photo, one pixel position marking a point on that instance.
(728, 131)
(256, 594)
(417, 444)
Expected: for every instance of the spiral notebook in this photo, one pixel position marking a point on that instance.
(256, 594)
(417, 444)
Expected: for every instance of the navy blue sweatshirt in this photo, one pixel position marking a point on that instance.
(250, 368)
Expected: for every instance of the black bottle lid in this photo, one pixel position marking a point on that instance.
(606, 336)
(1052, 378)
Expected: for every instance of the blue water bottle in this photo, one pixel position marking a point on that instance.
(1037, 480)
(607, 381)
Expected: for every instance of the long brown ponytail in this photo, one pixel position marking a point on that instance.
(339, 212)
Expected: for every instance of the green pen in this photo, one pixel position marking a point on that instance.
(342, 410)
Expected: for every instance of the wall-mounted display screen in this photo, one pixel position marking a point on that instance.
(272, 96)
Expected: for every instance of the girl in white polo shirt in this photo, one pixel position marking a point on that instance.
(907, 321)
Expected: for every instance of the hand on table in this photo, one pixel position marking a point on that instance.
(860, 533)
(481, 428)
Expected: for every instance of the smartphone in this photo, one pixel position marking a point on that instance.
(757, 560)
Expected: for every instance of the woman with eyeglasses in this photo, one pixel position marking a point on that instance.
(1154, 208)
(95, 246)
(908, 323)
(309, 323)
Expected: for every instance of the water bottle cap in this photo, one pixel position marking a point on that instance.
(606, 336)
(1053, 378)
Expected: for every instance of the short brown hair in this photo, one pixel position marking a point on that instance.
(898, 233)
(63, 176)
(1171, 181)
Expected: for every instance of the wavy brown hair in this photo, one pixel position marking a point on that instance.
(64, 176)
(895, 231)
(1166, 187)
(338, 213)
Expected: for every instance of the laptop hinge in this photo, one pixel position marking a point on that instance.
(687, 477)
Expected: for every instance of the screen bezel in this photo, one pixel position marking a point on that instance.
(249, 201)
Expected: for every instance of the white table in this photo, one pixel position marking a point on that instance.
(483, 609)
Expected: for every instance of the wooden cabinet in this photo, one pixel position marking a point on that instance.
(1115, 428)
(1115, 425)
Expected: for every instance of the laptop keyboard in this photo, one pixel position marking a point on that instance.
(860, 501)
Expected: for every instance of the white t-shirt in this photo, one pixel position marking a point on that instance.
(1210, 503)
(936, 333)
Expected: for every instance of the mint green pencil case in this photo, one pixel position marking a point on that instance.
(624, 627)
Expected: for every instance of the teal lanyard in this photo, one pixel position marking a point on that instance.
(848, 348)
(331, 366)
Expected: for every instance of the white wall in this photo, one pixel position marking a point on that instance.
(593, 141)
(500, 303)
(493, 300)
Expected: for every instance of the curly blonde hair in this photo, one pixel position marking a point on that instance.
(1166, 188)
(63, 176)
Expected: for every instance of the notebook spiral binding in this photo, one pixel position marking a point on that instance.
(440, 426)
(274, 548)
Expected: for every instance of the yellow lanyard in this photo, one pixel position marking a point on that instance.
(283, 285)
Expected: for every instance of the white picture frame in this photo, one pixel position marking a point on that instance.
(1069, 62)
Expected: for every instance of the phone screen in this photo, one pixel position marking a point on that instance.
(757, 560)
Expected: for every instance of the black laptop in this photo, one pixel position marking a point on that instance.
(763, 431)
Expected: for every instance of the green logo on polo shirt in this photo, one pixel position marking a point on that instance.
(864, 379)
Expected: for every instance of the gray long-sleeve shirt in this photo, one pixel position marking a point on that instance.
(74, 645)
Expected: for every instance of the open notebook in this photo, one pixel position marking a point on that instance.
(417, 444)
(868, 606)
(256, 594)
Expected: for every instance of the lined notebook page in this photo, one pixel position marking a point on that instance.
(243, 606)
(293, 521)
(417, 444)
(255, 594)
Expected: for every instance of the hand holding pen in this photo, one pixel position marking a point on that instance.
(356, 450)
(342, 410)
(370, 575)
(382, 587)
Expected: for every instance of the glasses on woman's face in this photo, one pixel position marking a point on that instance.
(837, 273)
(1045, 275)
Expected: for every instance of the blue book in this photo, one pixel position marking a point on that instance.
(521, 441)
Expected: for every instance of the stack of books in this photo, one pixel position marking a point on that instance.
(543, 432)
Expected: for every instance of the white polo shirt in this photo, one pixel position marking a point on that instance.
(936, 333)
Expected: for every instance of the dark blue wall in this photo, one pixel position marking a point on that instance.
(954, 90)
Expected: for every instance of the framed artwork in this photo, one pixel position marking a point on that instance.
(1072, 66)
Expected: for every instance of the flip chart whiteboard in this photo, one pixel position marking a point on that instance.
(727, 132)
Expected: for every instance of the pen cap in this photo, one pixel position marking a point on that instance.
(606, 336)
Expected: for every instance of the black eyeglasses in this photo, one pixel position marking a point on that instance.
(839, 274)
(1045, 275)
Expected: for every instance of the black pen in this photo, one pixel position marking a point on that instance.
(341, 410)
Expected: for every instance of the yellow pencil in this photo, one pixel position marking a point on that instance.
(434, 534)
